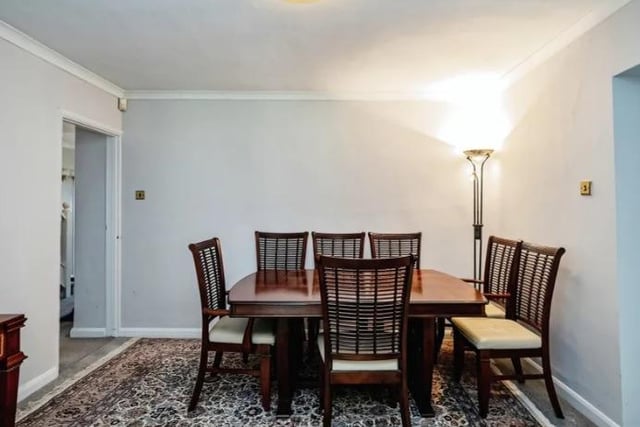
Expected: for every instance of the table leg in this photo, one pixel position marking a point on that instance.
(282, 368)
(422, 366)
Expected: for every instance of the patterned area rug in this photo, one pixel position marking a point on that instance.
(150, 384)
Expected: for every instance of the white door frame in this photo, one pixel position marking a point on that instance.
(113, 215)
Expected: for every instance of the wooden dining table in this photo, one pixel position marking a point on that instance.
(290, 296)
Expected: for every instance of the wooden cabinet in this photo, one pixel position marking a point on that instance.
(10, 359)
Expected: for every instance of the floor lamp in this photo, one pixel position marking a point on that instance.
(477, 158)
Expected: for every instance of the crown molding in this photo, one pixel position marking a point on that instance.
(562, 40)
(273, 95)
(27, 43)
(565, 38)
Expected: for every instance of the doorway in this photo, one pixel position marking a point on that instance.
(626, 121)
(89, 231)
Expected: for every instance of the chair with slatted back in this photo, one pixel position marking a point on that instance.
(524, 335)
(227, 334)
(281, 251)
(365, 306)
(385, 245)
(341, 245)
(500, 272)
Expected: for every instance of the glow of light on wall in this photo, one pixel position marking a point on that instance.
(476, 118)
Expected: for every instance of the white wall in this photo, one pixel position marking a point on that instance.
(627, 160)
(227, 168)
(31, 124)
(564, 133)
(90, 235)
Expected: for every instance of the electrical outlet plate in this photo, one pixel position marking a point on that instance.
(139, 194)
(585, 188)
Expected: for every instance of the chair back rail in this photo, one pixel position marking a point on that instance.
(501, 269)
(365, 307)
(281, 251)
(538, 269)
(343, 245)
(385, 245)
(207, 258)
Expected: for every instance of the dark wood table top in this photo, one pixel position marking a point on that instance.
(297, 293)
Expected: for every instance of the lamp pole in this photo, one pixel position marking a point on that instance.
(477, 158)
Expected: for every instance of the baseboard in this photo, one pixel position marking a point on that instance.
(27, 389)
(88, 332)
(577, 401)
(531, 407)
(160, 332)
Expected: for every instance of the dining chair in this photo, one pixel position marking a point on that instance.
(524, 335)
(500, 273)
(365, 307)
(385, 245)
(281, 251)
(342, 245)
(221, 333)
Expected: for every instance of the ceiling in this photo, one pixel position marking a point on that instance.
(279, 45)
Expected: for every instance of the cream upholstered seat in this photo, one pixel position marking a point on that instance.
(485, 332)
(359, 365)
(532, 285)
(493, 310)
(231, 330)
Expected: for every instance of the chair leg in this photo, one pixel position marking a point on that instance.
(326, 418)
(458, 354)
(404, 403)
(484, 381)
(217, 359)
(321, 386)
(265, 381)
(440, 327)
(312, 331)
(517, 367)
(245, 357)
(199, 380)
(548, 381)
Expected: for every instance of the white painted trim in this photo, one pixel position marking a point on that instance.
(34, 47)
(34, 406)
(86, 122)
(577, 401)
(27, 389)
(531, 407)
(88, 332)
(274, 95)
(564, 39)
(161, 332)
(113, 277)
